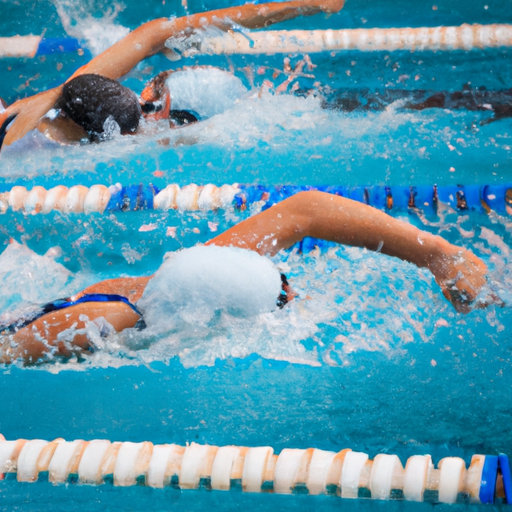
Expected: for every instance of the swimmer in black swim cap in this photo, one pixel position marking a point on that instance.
(459, 273)
(93, 100)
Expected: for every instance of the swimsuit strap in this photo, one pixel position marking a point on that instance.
(59, 304)
(92, 297)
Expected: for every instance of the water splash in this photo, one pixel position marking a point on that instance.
(293, 138)
(31, 279)
(351, 301)
(89, 22)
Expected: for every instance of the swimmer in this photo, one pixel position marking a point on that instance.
(121, 302)
(90, 100)
(477, 99)
(105, 69)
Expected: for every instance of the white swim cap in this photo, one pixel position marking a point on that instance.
(205, 91)
(193, 285)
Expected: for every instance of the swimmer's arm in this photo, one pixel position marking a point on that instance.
(320, 215)
(41, 337)
(23, 115)
(149, 39)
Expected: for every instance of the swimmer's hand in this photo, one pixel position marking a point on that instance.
(461, 276)
(23, 115)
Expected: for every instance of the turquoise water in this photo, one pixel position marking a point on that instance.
(301, 142)
(294, 136)
(376, 361)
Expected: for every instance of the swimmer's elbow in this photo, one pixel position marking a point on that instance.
(307, 208)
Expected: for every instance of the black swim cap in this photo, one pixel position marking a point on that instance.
(90, 100)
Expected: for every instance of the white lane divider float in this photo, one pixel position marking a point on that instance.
(464, 37)
(81, 199)
(417, 471)
(90, 466)
(347, 474)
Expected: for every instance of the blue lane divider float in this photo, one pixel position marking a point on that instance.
(504, 467)
(58, 45)
(488, 481)
(482, 198)
(100, 198)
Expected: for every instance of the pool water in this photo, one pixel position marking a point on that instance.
(294, 139)
(370, 356)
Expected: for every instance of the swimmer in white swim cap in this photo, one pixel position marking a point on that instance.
(120, 302)
(194, 285)
(86, 120)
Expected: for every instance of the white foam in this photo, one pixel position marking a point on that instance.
(281, 121)
(336, 288)
(79, 21)
(27, 277)
(194, 285)
(207, 91)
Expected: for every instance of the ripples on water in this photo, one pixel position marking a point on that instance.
(380, 361)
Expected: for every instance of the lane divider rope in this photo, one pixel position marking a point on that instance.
(465, 37)
(347, 474)
(100, 198)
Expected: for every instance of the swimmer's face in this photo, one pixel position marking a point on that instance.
(155, 100)
(290, 294)
(155, 110)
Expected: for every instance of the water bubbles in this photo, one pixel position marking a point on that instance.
(110, 129)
